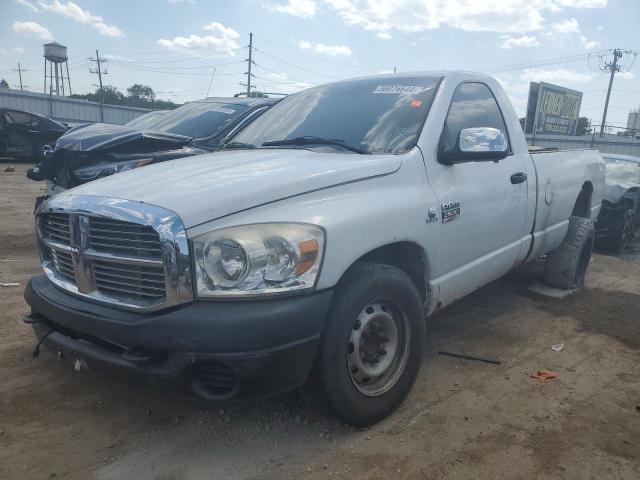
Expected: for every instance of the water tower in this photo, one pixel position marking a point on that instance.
(55, 55)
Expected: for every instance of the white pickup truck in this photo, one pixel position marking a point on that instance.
(310, 248)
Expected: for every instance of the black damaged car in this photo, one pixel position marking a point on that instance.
(619, 219)
(23, 134)
(99, 150)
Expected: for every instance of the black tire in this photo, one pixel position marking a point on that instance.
(567, 265)
(365, 287)
(624, 233)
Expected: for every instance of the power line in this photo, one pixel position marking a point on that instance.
(249, 63)
(99, 61)
(614, 67)
(164, 52)
(260, 66)
(317, 58)
(535, 63)
(171, 72)
(20, 70)
(295, 66)
(193, 67)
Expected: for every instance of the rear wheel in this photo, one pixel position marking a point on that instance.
(625, 233)
(567, 265)
(372, 346)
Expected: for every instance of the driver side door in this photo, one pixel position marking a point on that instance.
(483, 202)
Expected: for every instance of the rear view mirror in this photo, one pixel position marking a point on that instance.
(476, 144)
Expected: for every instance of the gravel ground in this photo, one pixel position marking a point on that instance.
(463, 420)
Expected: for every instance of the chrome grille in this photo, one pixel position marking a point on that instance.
(128, 254)
(139, 281)
(123, 238)
(55, 227)
(63, 263)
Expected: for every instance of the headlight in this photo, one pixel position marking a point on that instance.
(100, 170)
(258, 259)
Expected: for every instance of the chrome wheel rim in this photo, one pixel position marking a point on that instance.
(378, 347)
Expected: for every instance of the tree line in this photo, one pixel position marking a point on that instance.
(137, 95)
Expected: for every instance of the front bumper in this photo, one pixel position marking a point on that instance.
(218, 350)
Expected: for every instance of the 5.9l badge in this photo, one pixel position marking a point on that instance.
(450, 211)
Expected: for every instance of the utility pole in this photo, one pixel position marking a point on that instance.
(250, 60)
(19, 74)
(99, 61)
(614, 68)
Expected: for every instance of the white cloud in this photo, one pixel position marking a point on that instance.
(588, 44)
(298, 8)
(27, 4)
(32, 29)
(513, 87)
(119, 58)
(560, 76)
(18, 50)
(221, 40)
(2, 51)
(283, 83)
(518, 93)
(76, 13)
(583, 3)
(524, 41)
(625, 75)
(599, 28)
(331, 50)
(506, 16)
(567, 26)
(384, 35)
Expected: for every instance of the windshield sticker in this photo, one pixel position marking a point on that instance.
(416, 103)
(450, 211)
(398, 89)
(228, 111)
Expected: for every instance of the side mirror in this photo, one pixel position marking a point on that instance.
(475, 145)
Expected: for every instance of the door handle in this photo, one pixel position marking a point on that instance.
(518, 178)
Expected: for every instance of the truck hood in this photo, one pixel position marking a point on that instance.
(103, 136)
(206, 187)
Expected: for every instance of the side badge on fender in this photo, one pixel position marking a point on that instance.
(450, 211)
(432, 215)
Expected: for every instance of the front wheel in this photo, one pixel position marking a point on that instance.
(371, 351)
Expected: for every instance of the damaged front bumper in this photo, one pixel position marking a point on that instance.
(218, 350)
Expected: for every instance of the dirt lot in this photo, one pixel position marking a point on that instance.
(464, 420)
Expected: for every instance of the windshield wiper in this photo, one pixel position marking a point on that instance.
(236, 146)
(309, 140)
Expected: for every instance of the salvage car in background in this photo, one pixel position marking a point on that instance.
(146, 119)
(619, 219)
(100, 150)
(23, 134)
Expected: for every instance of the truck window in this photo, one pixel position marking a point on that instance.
(472, 105)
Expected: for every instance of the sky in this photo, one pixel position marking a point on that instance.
(184, 48)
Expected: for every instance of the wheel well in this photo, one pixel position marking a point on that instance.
(408, 257)
(582, 207)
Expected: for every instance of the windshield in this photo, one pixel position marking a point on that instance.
(197, 119)
(379, 115)
(622, 171)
